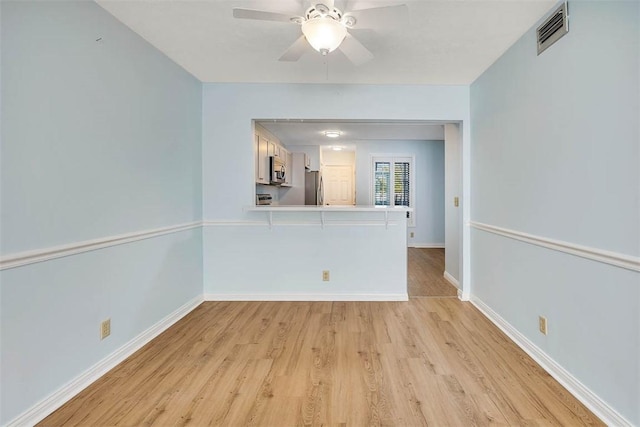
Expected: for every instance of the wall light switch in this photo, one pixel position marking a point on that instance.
(456, 202)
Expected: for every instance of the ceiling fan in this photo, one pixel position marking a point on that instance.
(325, 27)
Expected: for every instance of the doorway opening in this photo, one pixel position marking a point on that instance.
(435, 231)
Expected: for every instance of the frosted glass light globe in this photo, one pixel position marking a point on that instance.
(324, 34)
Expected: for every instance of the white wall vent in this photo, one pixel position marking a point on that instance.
(553, 28)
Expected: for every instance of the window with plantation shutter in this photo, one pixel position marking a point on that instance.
(382, 183)
(401, 184)
(393, 182)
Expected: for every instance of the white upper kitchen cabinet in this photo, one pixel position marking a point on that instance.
(262, 159)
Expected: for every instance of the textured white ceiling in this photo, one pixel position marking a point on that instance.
(311, 132)
(445, 42)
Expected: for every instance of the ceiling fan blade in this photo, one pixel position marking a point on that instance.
(355, 51)
(296, 50)
(381, 17)
(261, 15)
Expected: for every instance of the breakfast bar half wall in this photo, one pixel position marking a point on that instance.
(309, 253)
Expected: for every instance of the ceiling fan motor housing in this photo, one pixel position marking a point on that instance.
(321, 11)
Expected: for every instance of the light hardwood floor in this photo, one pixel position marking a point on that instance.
(425, 274)
(429, 361)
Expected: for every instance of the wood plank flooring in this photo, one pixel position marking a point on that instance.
(428, 361)
(425, 274)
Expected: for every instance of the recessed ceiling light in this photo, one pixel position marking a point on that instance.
(336, 148)
(332, 133)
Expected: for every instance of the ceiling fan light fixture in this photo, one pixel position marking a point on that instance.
(324, 34)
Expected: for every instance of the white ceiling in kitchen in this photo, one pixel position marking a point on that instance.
(445, 42)
(311, 132)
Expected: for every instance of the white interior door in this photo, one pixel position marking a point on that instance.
(339, 185)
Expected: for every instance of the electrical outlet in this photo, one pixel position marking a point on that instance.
(325, 276)
(411, 234)
(542, 324)
(105, 329)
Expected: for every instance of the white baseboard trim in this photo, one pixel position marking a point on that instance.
(306, 297)
(427, 245)
(449, 278)
(58, 398)
(598, 406)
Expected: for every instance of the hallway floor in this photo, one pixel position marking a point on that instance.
(425, 274)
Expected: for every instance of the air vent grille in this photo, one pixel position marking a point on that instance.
(553, 28)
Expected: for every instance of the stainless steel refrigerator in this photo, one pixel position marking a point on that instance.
(313, 191)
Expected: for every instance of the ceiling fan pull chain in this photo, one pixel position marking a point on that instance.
(326, 62)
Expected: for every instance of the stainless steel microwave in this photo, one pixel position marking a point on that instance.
(278, 170)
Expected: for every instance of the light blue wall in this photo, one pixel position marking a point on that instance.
(98, 138)
(227, 147)
(453, 189)
(103, 134)
(555, 153)
(51, 311)
(228, 109)
(563, 128)
(429, 183)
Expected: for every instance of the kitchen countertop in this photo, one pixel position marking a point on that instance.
(312, 208)
(324, 213)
